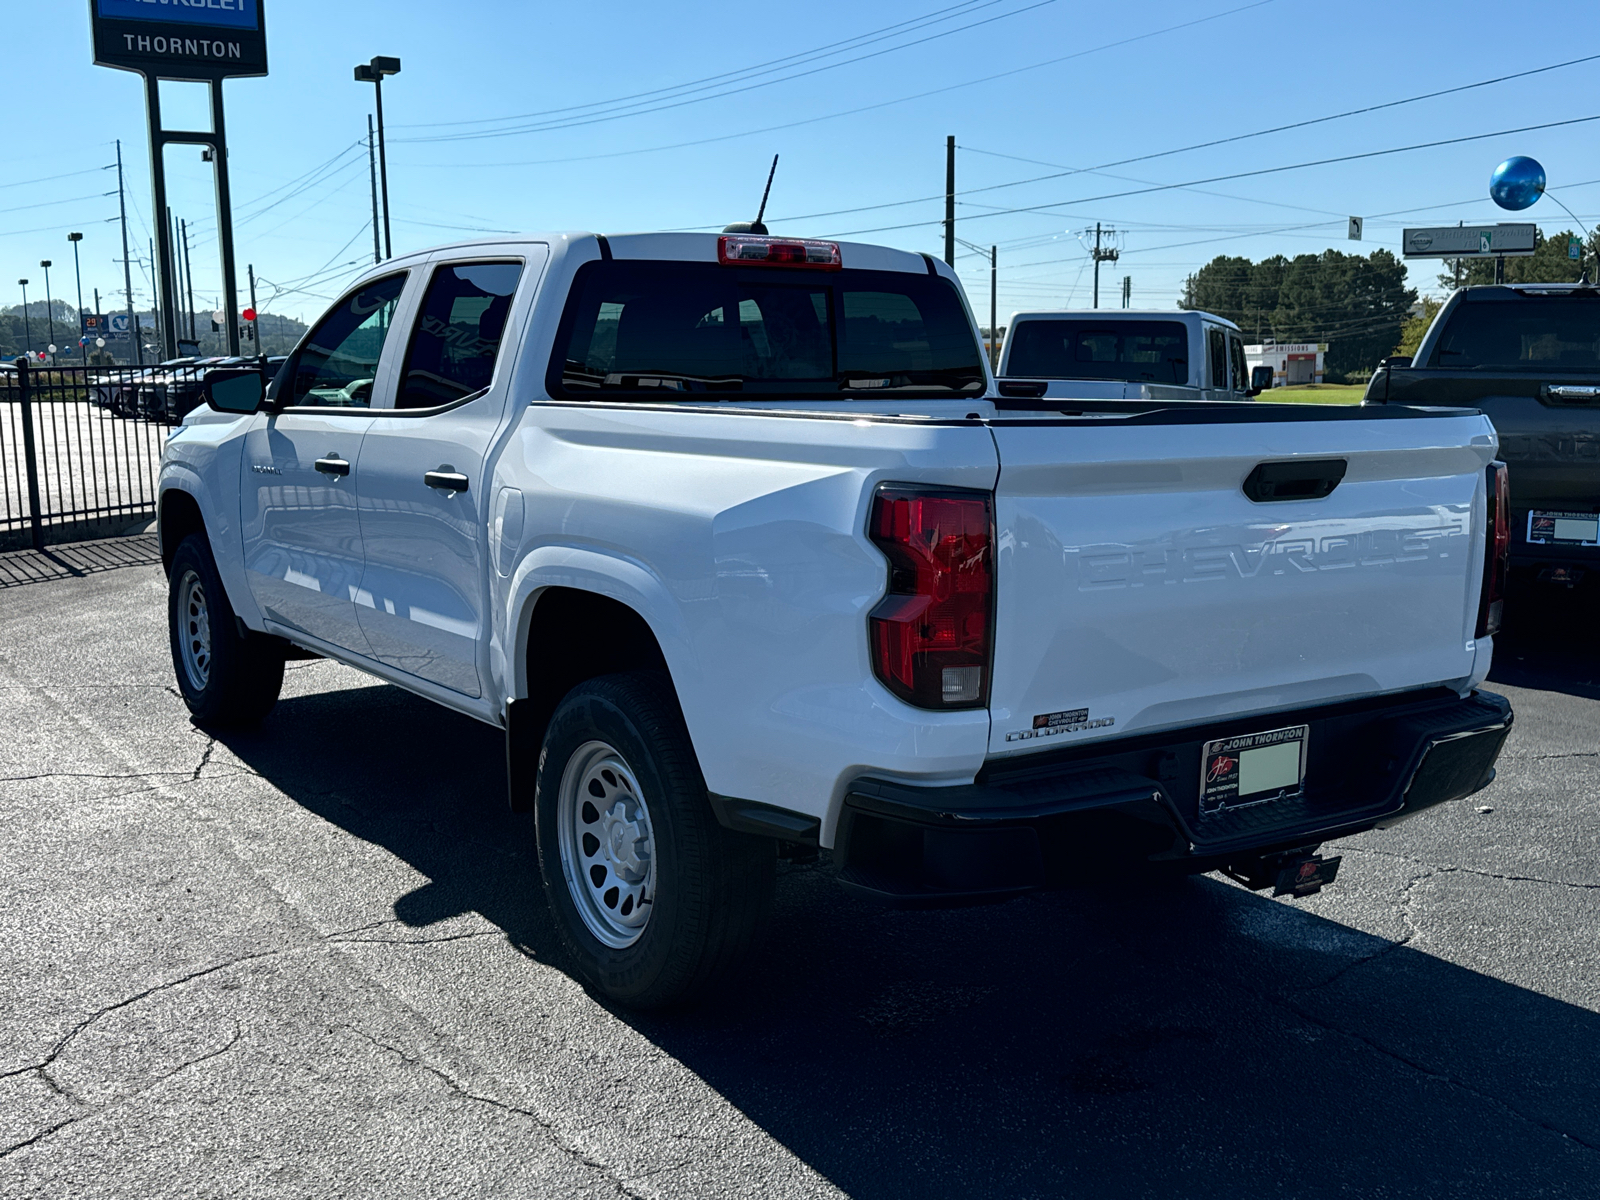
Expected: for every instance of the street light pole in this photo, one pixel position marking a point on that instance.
(49, 305)
(27, 329)
(373, 73)
(77, 273)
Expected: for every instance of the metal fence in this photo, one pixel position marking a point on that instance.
(80, 447)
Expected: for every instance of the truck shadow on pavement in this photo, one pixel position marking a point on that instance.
(1551, 639)
(1187, 1041)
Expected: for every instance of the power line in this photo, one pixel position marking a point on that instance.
(1167, 187)
(886, 31)
(1065, 171)
(850, 112)
(576, 122)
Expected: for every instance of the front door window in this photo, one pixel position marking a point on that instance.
(339, 361)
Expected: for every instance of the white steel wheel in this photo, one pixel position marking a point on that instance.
(607, 845)
(194, 632)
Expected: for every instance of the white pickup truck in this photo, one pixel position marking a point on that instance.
(1125, 354)
(745, 550)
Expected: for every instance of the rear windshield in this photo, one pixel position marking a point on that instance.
(636, 330)
(1140, 351)
(1522, 333)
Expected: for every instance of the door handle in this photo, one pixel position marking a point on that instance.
(450, 481)
(332, 466)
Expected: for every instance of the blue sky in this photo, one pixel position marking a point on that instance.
(1130, 80)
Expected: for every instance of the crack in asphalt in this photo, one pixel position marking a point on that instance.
(205, 757)
(1404, 902)
(94, 1110)
(564, 1143)
(1452, 868)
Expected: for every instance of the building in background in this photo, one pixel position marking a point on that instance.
(1291, 362)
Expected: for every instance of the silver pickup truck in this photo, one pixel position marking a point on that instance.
(1124, 354)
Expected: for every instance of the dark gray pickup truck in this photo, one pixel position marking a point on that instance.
(1528, 357)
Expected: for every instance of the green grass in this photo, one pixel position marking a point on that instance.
(1316, 393)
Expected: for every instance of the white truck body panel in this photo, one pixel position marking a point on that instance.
(1133, 577)
(1137, 581)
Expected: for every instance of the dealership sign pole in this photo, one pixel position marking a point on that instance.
(203, 41)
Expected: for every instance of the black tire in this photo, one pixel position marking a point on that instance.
(712, 887)
(226, 679)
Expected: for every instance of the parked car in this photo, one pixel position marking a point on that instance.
(1124, 354)
(736, 541)
(139, 396)
(1528, 356)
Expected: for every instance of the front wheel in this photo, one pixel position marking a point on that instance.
(652, 896)
(228, 676)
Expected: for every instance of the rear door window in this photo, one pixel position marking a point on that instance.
(645, 329)
(1217, 352)
(1134, 351)
(1507, 331)
(458, 333)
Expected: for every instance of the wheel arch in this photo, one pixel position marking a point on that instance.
(576, 615)
(177, 516)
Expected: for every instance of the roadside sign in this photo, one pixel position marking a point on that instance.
(1574, 249)
(197, 39)
(118, 325)
(1355, 229)
(1469, 241)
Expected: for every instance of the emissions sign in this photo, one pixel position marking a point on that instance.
(180, 39)
(1470, 241)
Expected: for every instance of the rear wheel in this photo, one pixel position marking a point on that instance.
(227, 677)
(653, 897)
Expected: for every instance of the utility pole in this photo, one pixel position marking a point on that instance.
(950, 200)
(77, 273)
(175, 292)
(127, 267)
(1109, 254)
(1127, 291)
(156, 301)
(255, 317)
(372, 170)
(994, 316)
(188, 277)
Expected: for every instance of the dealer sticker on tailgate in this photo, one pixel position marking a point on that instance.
(1253, 768)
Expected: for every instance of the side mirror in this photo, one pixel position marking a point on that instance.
(1260, 379)
(234, 390)
(1398, 362)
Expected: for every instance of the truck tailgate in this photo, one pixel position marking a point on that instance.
(1139, 588)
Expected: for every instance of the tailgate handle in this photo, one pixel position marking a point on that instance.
(1294, 479)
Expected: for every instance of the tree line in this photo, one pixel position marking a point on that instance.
(1355, 303)
(1359, 304)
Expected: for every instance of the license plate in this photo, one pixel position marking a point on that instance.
(1253, 768)
(1564, 528)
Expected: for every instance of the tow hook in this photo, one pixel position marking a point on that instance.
(1297, 873)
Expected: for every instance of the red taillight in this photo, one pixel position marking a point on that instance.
(753, 249)
(1497, 550)
(931, 634)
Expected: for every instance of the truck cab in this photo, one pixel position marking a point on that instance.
(1128, 355)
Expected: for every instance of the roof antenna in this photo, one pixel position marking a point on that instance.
(756, 226)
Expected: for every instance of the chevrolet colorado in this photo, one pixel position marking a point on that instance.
(738, 541)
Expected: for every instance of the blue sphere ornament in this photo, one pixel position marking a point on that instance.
(1516, 183)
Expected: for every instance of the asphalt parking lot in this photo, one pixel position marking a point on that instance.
(314, 961)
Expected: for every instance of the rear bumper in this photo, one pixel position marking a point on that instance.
(1059, 816)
